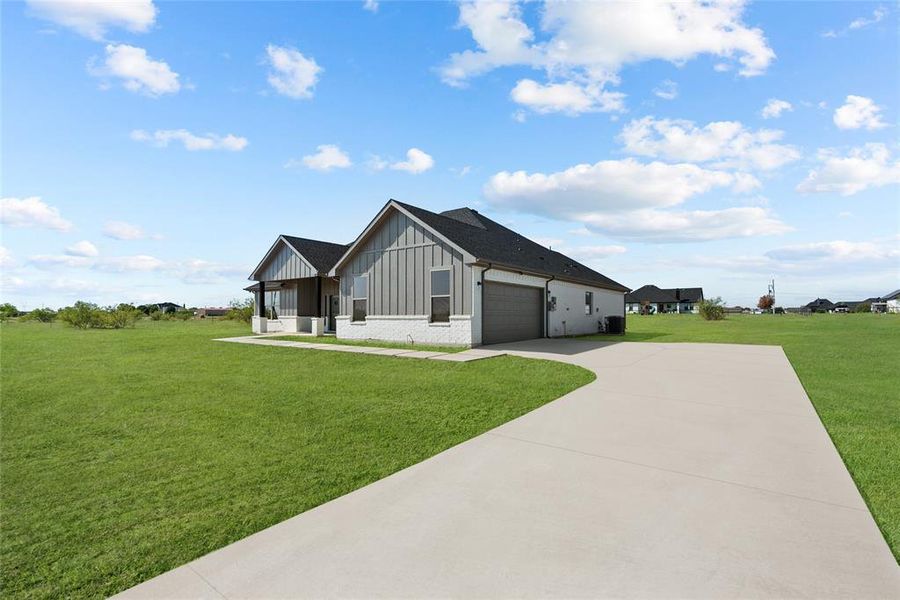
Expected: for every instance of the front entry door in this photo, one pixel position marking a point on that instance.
(334, 307)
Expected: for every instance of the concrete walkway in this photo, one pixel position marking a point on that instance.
(463, 356)
(684, 470)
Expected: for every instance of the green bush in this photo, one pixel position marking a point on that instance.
(863, 307)
(180, 315)
(8, 311)
(156, 315)
(241, 310)
(42, 315)
(86, 315)
(712, 309)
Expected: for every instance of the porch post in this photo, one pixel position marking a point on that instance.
(261, 304)
(318, 296)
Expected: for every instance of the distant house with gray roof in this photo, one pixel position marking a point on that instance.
(650, 299)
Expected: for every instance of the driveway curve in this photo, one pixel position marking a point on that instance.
(684, 470)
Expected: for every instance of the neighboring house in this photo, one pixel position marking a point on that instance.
(454, 278)
(889, 303)
(820, 305)
(293, 291)
(663, 300)
(212, 311)
(165, 307)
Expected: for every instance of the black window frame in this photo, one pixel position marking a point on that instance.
(588, 303)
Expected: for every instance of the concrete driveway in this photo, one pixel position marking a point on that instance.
(684, 470)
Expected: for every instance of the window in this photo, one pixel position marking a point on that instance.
(588, 302)
(440, 296)
(273, 304)
(360, 296)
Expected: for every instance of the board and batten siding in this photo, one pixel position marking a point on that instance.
(285, 264)
(398, 257)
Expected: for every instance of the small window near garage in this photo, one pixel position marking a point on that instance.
(440, 296)
(588, 302)
(360, 295)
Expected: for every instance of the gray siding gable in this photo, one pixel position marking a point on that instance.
(283, 262)
(397, 254)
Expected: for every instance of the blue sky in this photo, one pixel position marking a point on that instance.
(153, 152)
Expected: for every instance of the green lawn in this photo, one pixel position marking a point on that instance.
(850, 367)
(127, 453)
(368, 343)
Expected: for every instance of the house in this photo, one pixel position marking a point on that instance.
(887, 304)
(455, 277)
(650, 299)
(293, 291)
(212, 311)
(821, 305)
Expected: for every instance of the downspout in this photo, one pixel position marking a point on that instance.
(547, 306)
(481, 316)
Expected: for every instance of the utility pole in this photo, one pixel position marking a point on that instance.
(772, 293)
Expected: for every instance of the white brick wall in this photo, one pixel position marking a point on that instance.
(408, 329)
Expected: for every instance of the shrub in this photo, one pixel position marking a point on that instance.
(181, 315)
(42, 315)
(156, 314)
(81, 315)
(765, 302)
(863, 307)
(8, 311)
(712, 309)
(241, 310)
(86, 315)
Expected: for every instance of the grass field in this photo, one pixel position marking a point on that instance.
(126, 453)
(368, 343)
(850, 367)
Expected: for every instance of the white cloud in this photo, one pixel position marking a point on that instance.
(138, 72)
(190, 141)
(568, 98)
(626, 199)
(31, 212)
(417, 161)
(868, 166)
(328, 157)
(836, 251)
(859, 23)
(774, 107)
(6, 259)
(584, 45)
(725, 143)
(92, 18)
(667, 90)
(609, 185)
(651, 225)
(82, 248)
(49, 261)
(120, 230)
(370, 5)
(291, 73)
(858, 112)
(122, 264)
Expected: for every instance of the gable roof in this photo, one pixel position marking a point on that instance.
(490, 242)
(320, 255)
(651, 293)
(892, 296)
(821, 303)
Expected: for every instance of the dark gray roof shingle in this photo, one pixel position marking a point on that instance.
(651, 293)
(321, 255)
(491, 242)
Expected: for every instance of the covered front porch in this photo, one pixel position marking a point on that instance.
(302, 305)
